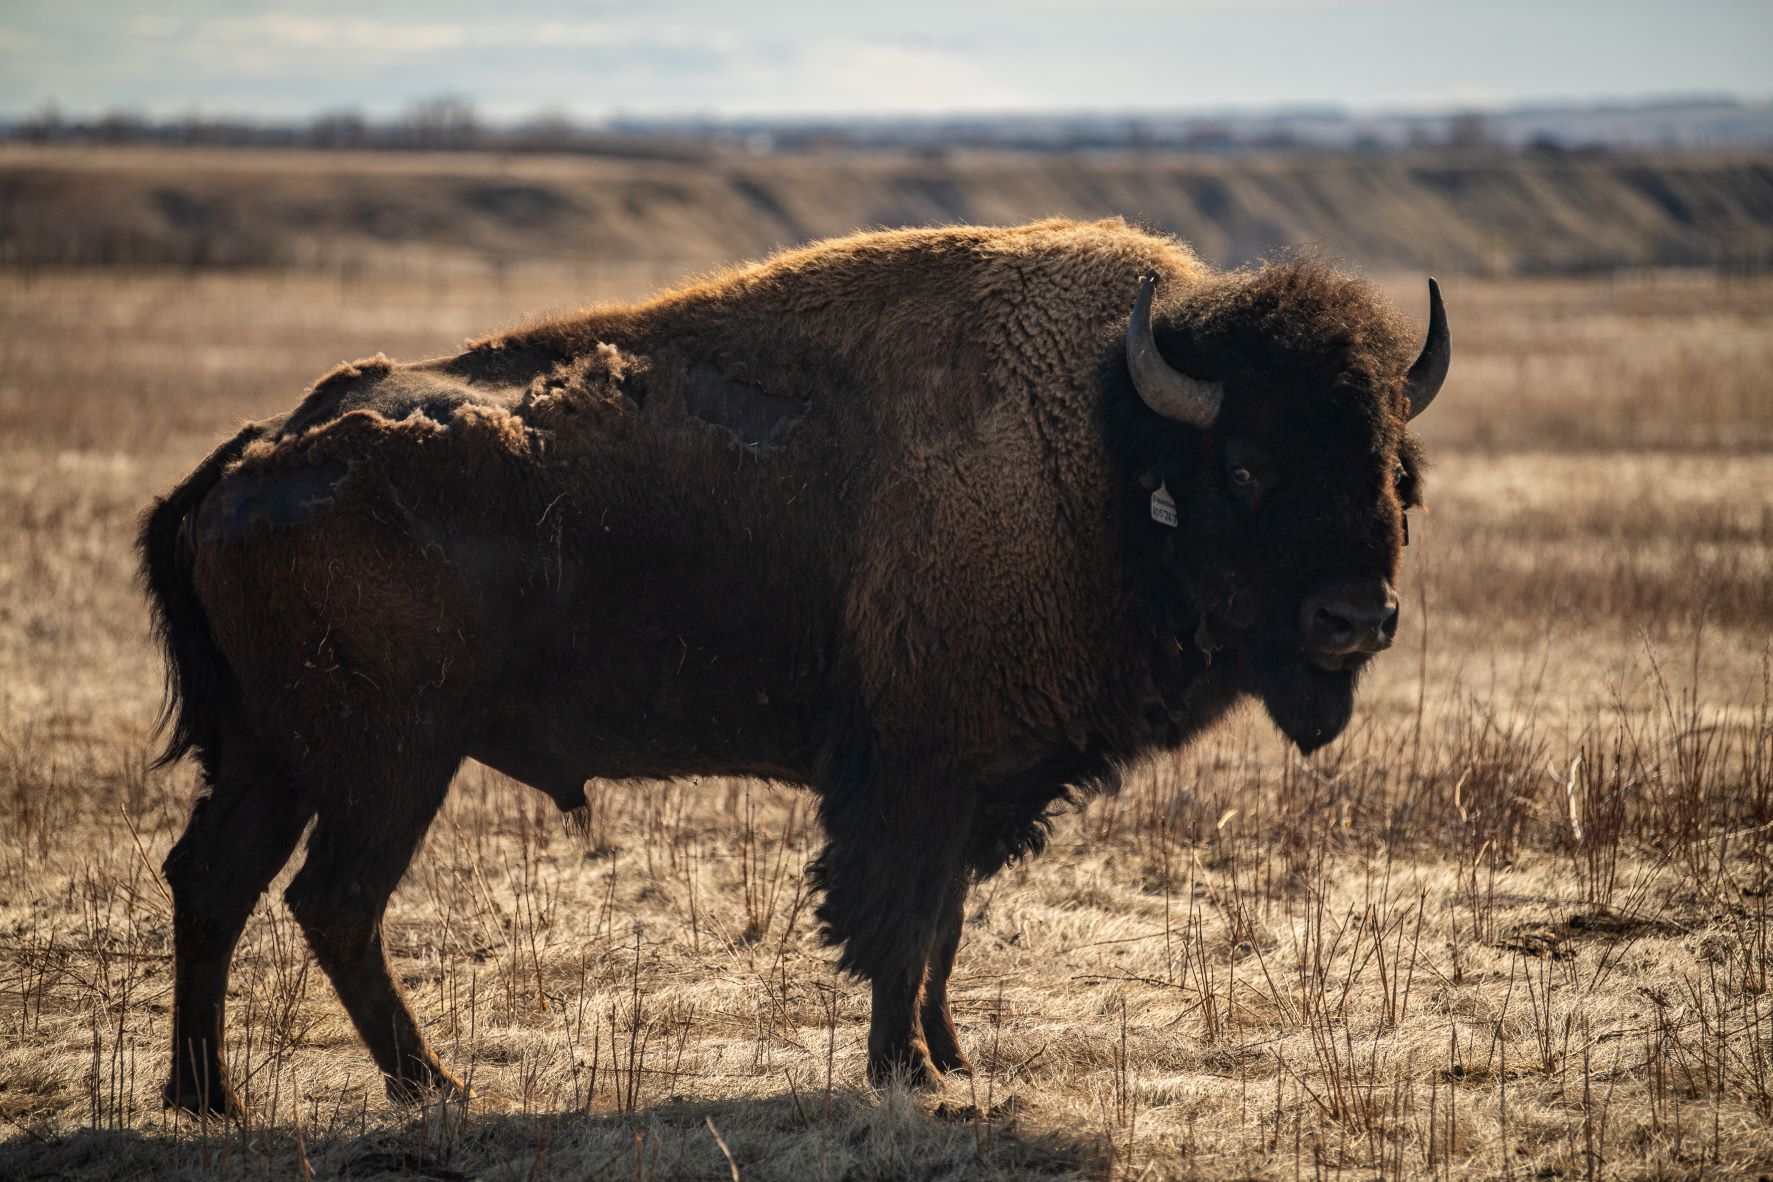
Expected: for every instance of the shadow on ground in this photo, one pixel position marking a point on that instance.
(793, 1135)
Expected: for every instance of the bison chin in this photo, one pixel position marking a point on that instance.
(1310, 706)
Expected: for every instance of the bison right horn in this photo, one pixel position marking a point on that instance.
(1168, 391)
(1424, 380)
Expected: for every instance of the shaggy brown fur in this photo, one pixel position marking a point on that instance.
(870, 516)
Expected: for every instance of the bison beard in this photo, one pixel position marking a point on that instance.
(1310, 706)
(866, 517)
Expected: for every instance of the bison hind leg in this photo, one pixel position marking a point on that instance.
(238, 837)
(370, 821)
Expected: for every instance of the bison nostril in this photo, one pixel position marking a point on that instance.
(1335, 628)
(1388, 628)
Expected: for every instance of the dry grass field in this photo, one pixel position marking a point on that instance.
(1518, 923)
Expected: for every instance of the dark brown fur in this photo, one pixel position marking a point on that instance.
(868, 517)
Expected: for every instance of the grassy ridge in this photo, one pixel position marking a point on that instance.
(1461, 213)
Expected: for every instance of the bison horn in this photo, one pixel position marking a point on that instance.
(1424, 380)
(1168, 391)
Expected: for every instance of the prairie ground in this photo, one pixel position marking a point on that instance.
(1515, 924)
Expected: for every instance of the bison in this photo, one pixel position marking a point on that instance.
(945, 525)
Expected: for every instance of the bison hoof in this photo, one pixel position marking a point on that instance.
(950, 1061)
(203, 1102)
(912, 1069)
(423, 1087)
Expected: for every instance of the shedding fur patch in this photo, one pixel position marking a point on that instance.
(754, 417)
(597, 391)
(360, 458)
(274, 498)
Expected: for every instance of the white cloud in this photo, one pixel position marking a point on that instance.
(154, 26)
(1171, 7)
(846, 74)
(302, 34)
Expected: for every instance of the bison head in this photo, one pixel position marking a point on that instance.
(1274, 412)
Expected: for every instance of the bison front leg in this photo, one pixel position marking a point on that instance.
(893, 853)
(938, 1020)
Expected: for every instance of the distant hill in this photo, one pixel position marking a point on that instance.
(1470, 212)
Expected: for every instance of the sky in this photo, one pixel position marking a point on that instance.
(778, 58)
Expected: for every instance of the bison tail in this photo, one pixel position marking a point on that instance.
(200, 687)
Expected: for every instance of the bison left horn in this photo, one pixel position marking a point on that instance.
(1168, 391)
(1424, 380)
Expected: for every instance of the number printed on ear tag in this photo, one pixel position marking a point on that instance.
(1163, 507)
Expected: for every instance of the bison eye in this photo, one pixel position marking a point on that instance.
(1249, 474)
(1404, 484)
